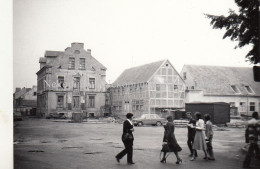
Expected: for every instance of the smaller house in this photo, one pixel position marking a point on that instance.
(25, 100)
(232, 85)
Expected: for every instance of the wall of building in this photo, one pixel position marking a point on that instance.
(70, 89)
(197, 96)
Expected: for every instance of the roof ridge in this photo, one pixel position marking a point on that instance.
(218, 66)
(145, 64)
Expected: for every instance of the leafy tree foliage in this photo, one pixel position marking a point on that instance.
(242, 27)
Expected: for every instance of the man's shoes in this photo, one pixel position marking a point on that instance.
(130, 163)
(118, 160)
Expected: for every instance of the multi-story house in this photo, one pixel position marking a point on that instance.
(71, 81)
(151, 88)
(233, 85)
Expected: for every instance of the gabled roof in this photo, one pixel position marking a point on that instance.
(49, 53)
(138, 74)
(21, 92)
(217, 80)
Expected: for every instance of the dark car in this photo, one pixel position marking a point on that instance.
(150, 119)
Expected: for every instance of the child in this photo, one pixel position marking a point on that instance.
(209, 137)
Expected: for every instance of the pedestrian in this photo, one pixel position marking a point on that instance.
(191, 133)
(170, 141)
(199, 139)
(251, 135)
(128, 139)
(209, 136)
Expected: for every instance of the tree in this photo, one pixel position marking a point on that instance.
(242, 27)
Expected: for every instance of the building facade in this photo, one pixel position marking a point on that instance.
(25, 100)
(233, 85)
(71, 81)
(151, 88)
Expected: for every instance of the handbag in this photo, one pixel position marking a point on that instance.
(165, 147)
(127, 137)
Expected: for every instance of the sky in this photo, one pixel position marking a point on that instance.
(121, 33)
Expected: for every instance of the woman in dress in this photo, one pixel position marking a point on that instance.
(199, 139)
(170, 139)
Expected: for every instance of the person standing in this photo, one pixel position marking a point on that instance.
(128, 128)
(191, 133)
(251, 135)
(209, 136)
(170, 139)
(199, 139)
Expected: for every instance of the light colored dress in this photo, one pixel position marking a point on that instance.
(199, 139)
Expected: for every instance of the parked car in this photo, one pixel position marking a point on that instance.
(150, 119)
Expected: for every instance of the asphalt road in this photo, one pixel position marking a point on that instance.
(45, 144)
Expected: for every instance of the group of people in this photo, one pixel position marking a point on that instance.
(197, 140)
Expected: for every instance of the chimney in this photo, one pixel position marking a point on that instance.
(77, 45)
(89, 51)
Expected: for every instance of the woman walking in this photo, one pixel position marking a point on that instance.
(199, 139)
(171, 141)
(128, 139)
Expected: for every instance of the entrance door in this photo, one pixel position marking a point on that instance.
(75, 104)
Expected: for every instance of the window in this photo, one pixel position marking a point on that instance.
(76, 82)
(82, 63)
(243, 106)
(34, 93)
(184, 76)
(60, 101)
(252, 106)
(92, 83)
(235, 89)
(249, 89)
(232, 104)
(77, 52)
(158, 87)
(71, 63)
(92, 101)
(61, 81)
(163, 71)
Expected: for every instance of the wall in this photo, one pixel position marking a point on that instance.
(197, 96)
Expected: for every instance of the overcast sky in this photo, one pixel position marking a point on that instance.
(121, 33)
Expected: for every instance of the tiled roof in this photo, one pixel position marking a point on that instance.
(138, 74)
(96, 64)
(49, 53)
(21, 92)
(217, 80)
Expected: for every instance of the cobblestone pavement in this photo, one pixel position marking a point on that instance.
(47, 144)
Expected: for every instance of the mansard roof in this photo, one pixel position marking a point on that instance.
(220, 80)
(139, 74)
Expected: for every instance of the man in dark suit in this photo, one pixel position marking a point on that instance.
(128, 127)
(191, 133)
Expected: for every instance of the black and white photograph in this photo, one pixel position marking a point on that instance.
(140, 84)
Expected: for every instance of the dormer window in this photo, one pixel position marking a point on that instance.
(76, 52)
(235, 89)
(249, 90)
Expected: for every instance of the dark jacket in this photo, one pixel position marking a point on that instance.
(191, 131)
(126, 128)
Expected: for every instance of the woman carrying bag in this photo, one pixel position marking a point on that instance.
(170, 142)
(128, 139)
